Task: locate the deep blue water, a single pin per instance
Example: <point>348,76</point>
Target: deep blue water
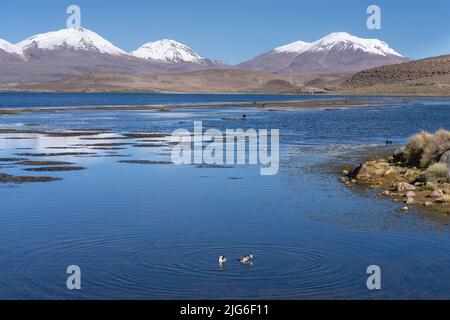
<point>155,231</point>
<point>30,100</point>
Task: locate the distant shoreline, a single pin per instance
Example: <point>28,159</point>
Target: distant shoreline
<point>269,106</point>
<point>324,94</point>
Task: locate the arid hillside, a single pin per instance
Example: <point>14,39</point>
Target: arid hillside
<point>209,81</point>
<point>428,76</point>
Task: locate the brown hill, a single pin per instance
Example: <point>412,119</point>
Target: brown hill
<point>427,76</point>
<point>208,81</point>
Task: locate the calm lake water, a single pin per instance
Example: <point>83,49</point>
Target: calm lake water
<point>155,231</point>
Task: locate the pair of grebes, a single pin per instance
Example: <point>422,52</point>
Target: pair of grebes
<point>245,260</point>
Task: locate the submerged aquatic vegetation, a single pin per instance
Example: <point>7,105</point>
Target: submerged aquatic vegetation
<point>44,163</point>
<point>54,169</point>
<point>7,178</point>
<point>145,135</point>
<point>68,133</point>
<point>60,154</point>
<point>118,144</point>
<point>145,162</point>
<point>149,145</point>
<point>107,148</point>
<point>12,159</point>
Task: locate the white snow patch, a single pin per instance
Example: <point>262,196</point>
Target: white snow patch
<point>10,48</point>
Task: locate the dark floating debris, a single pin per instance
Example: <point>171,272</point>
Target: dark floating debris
<point>145,162</point>
<point>7,178</point>
<point>54,169</point>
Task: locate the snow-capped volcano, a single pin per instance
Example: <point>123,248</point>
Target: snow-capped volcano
<point>167,51</point>
<point>336,52</point>
<point>341,41</point>
<point>71,39</point>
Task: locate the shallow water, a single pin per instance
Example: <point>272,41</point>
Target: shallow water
<point>144,231</point>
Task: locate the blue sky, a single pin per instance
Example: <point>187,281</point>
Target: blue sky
<point>237,30</point>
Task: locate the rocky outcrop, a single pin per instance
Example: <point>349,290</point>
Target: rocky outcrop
<point>358,172</point>
<point>402,184</point>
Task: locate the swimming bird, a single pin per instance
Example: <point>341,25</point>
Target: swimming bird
<point>222,260</point>
<point>247,260</point>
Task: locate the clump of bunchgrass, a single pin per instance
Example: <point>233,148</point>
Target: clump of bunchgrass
<point>435,148</point>
<point>437,172</point>
<point>425,149</point>
<point>414,149</point>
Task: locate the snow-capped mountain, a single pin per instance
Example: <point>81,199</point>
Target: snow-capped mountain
<point>336,52</point>
<point>167,51</point>
<point>70,39</point>
<point>340,41</point>
<point>10,52</point>
<point>72,52</point>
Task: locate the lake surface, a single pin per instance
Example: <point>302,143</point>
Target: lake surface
<point>154,231</point>
<point>33,100</point>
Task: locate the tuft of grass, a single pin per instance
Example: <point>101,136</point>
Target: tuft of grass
<point>436,147</point>
<point>437,172</point>
<point>425,149</point>
<point>446,198</point>
<point>414,149</point>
